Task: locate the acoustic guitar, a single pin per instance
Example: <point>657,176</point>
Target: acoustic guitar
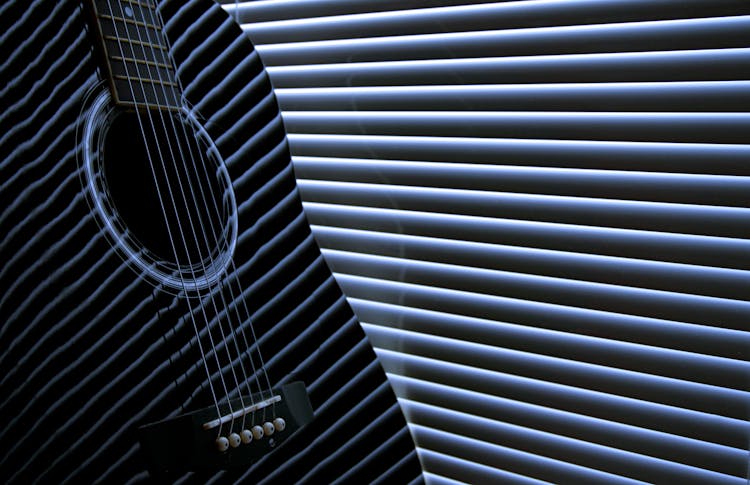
<point>165,313</point>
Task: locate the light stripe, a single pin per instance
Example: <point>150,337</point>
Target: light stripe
<point>478,17</point>
<point>635,36</point>
<point>683,65</point>
<point>725,96</point>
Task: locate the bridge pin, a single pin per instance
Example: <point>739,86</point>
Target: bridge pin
<point>234,440</point>
<point>279,424</point>
<point>268,428</point>
<point>222,444</point>
<point>246,436</point>
<point>257,432</point>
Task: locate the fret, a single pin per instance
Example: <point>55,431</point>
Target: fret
<point>135,71</point>
<point>135,42</point>
<point>146,95</point>
<point>144,80</point>
<point>137,23</point>
<point>140,4</point>
<point>151,106</point>
<point>141,61</point>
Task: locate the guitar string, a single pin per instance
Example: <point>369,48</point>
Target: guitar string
<point>220,284</point>
<point>241,292</point>
<point>180,184</point>
<point>168,61</point>
<point>205,166</point>
<point>239,284</point>
<point>163,208</point>
<point>178,143</point>
<point>244,303</point>
<point>166,55</point>
<point>252,327</point>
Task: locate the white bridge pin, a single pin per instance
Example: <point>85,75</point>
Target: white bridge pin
<point>268,428</point>
<point>257,432</point>
<point>246,436</point>
<point>222,444</point>
<point>279,424</point>
<point>234,440</point>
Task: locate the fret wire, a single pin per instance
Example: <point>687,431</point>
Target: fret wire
<point>142,61</point>
<point>141,4</point>
<point>130,21</point>
<point>153,81</point>
<point>132,41</point>
<point>139,104</point>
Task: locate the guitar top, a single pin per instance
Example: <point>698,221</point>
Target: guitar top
<point>165,313</point>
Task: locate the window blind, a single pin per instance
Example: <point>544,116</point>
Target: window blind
<point>539,211</point>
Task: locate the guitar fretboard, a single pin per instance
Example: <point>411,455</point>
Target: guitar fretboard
<point>138,66</point>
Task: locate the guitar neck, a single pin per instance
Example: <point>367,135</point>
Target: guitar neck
<point>134,54</point>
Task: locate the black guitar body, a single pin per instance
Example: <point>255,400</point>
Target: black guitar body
<point>90,350</point>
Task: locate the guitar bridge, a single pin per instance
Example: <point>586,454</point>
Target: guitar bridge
<point>239,437</point>
<point>241,412</point>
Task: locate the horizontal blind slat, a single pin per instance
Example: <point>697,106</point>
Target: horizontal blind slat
<point>662,35</point>
<point>690,65</point>
<point>726,96</point>
<point>700,189</point>
<point>517,14</point>
<point>273,10</point>
<point>729,222</point>
<point>663,127</point>
<point>707,158</point>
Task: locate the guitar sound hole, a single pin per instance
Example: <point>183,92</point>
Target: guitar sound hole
<point>160,192</point>
<point>165,188</point>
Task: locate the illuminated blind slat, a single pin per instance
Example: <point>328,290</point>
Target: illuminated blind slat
<point>461,18</point>
<point>656,216</point>
<point>274,10</point>
<point>635,36</point>
<point>724,96</point>
<point>605,184</point>
<point>675,65</point>
<point>609,155</point>
<point>665,127</point>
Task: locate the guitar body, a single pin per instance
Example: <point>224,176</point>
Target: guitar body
<point>92,347</point>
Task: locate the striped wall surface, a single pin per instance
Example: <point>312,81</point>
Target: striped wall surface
<point>539,212</point>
